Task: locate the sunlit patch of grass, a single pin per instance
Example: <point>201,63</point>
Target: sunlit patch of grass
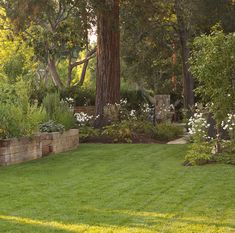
<point>117,189</point>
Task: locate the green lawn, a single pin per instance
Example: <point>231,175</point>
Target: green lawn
<point>118,189</point>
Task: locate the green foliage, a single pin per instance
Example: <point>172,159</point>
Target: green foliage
<point>199,154</point>
<point>87,131</point>
<point>58,110</point>
<point>142,127</point>
<point>18,116</point>
<point>16,58</point>
<point>213,66</point>
<point>134,98</point>
<point>84,96</point>
<point>228,155</point>
<point>168,131</point>
<point>120,132</point>
<point>51,126</point>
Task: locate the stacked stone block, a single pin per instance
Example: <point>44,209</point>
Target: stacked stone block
<point>18,150</point>
<point>59,142</point>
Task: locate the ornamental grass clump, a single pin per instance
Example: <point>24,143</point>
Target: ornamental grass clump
<point>18,117</point>
<point>58,111</point>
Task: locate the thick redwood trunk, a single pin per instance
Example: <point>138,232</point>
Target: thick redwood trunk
<point>108,58</point>
<point>188,82</point>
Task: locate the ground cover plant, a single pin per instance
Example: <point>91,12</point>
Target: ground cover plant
<point>117,188</point>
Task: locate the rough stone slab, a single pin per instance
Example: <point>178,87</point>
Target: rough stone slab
<point>178,141</point>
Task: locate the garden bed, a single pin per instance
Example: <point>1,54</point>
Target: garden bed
<point>136,138</point>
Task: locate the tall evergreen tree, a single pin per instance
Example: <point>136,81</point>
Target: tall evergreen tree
<point>108,58</point>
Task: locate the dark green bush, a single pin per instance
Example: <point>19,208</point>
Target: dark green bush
<point>87,131</point>
<point>168,131</point>
<point>134,98</point>
<point>120,132</point>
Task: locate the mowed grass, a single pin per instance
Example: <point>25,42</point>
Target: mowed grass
<point>118,189</point>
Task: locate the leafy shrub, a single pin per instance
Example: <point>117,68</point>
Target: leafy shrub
<point>87,131</point>
<point>120,132</point>
<point>58,111</point>
<point>51,126</point>
<point>144,127</point>
<point>199,154</point>
<point>18,116</point>
<point>134,98</point>
<point>167,131</point>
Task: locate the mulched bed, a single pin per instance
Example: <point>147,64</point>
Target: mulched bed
<point>136,138</point>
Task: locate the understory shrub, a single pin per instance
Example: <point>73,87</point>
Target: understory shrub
<point>120,132</point>
<point>168,131</point>
<point>88,131</point>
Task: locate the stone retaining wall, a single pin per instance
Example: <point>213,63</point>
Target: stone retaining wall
<point>18,150</point>
<point>59,142</point>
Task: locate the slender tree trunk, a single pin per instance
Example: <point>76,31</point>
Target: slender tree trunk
<point>108,58</point>
<point>188,82</point>
<point>83,74</point>
<point>54,74</point>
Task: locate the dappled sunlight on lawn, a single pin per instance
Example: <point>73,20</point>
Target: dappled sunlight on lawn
<point>143,222</point>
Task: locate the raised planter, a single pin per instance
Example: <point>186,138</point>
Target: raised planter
<point>59,142</point>
<point>18,150</point>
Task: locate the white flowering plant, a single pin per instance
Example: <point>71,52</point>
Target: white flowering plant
<point>229,125</point>
<point>198,126</point>
<point>83,119</point>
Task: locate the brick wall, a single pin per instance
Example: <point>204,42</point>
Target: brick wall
<point>13,151</point>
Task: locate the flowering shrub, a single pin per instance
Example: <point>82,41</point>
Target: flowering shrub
<point>83,119</point>
<point>198,127</point>
<point>146,112</point>
<point>229,125</point>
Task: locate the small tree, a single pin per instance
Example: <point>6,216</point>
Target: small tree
<point>213,66</point>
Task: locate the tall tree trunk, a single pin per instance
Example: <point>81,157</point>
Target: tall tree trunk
<point>54,74</point>
<point>108,58</point>
<point>83,74</point>
<point>188,82</point>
